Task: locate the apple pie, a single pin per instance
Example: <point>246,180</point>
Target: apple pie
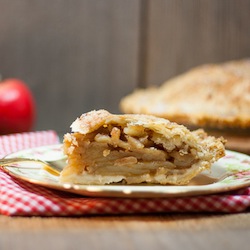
<point>212,95</point>
<point>105,148</point>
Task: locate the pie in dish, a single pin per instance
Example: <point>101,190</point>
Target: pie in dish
<point>105,148</point>
<point>213,95</point>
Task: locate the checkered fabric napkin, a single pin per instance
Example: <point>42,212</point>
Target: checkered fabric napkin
<point>21,198</point>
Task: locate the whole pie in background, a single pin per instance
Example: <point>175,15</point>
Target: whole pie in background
<point>215,97</point>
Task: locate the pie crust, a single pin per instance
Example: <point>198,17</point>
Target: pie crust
<point>213,95</point>
<point>105,148</point>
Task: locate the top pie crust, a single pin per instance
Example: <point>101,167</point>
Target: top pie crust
<point>214,95</point>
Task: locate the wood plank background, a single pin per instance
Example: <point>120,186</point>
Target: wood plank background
<point>87,54</point>
<point>184,34</point>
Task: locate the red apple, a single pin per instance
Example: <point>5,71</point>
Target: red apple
<point>17,107</point>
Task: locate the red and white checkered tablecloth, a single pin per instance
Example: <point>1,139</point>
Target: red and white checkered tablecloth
<point>20,198</point>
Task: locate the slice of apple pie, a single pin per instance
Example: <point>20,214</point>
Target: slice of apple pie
<point>104,148</point>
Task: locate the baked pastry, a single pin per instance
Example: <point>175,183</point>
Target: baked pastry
<point>104,148</point>
<point>214,95</point>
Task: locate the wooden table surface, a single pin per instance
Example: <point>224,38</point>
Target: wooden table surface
<point>164,231</point>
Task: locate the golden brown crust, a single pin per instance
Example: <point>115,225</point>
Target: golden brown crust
<point>216,95</point>
<point>105,148</point>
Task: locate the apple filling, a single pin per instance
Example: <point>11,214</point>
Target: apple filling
<point>131,153</point>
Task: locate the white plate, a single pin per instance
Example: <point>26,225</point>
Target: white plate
<point>229,173</point>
